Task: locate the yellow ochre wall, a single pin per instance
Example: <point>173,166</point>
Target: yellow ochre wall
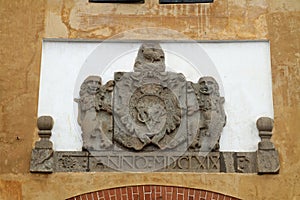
<point>23,25</point>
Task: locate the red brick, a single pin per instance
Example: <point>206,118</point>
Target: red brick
<point>135,189</point>
<point>100,193</point>
<point>141,192</point>
<point>168,189</point>
<point>180,197</point>
<point>174,194</point>
<point>106,194</point>
<point>135,197</point>
<point>147,188</point>
<point>112,192</point>
<point>186,193</point>
<point>158,197</point>
<point>152,192</point>
<point>168,196</point>
<point>147,196</point>
<point>215,196</point>
<point>180,190</point>
<point>221,197</point>
<point>95,196</point>
<point>129,193</point>
<point>89,196</point>
<point>123,190</point>
<point>208,195</point>
<point>191,198</point>
<point>163,192</point>
<point>203,195</point>
<point>153,188</point>
<point>118,193</point>
<point>157,189</point>
<point>197,194</point>
<point>191,192</point>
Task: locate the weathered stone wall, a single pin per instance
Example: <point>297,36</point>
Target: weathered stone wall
<point>23,25</point>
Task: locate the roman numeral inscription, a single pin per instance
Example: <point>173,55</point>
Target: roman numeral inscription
<point>124,161</point>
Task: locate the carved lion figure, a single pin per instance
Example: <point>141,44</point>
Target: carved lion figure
<point>212,115</point>
<point>90,103</point>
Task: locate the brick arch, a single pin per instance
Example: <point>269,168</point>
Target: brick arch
<point>152,192</point>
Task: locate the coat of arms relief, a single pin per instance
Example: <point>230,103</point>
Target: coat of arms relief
<point>152,119</point>
<point>150,109</point>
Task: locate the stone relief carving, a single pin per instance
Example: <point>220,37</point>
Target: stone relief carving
<point>150,57</point>
<point>152,120</point>
<point>149,104</point>
<point>95,113</point>
<point>212,115</point>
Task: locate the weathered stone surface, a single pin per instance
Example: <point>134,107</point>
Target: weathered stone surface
<point>42,161</point>
<point>95,113</point>
<point>277,21</point>
<point>137,162</point>
<point>238,162</point>
<point>150,104</point>
<point>150,58</point>
<point>268,162</point>
<point>245,162</point>
<point>45,125</point>
<point>150,116</point>
<point>42,154</point>
<point>267,155</point>
<point>227,162</point>
<point>71,161</point>
<point>212,115</point>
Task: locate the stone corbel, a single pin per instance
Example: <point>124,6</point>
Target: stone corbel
<point>42,154</point>
<point>267,155</point>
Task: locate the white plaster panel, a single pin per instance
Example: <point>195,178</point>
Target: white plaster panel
<point>242,70</point>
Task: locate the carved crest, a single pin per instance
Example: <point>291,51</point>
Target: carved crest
<point>149,103</point>
<point>152,109</point>
<point>124,121</point>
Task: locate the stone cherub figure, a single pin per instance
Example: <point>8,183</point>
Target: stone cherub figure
<point>212,115</point>
<point>94,101</point>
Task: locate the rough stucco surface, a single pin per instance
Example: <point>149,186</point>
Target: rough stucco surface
<point>23,24</point>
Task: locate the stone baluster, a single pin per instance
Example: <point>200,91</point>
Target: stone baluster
<point>267,155</point>
<point>42,154</point>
